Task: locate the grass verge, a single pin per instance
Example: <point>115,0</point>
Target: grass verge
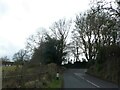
<point>56,83</point>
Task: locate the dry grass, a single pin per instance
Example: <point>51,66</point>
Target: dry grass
<point>30,77</point>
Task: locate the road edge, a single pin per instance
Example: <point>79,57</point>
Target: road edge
<point>88,73</point>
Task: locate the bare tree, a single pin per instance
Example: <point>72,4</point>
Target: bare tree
<point>21,56</point>
<point>34,41</point>
<point>94,29</point>
<point>5,58</point>
<point>60,31</point>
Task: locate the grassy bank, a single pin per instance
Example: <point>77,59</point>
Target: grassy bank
<point>107,64</point>
<point>56,83</point>
<point>32,76</point>
<point>108,71</point>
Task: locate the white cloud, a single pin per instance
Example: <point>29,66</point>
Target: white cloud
<point>22,17</point>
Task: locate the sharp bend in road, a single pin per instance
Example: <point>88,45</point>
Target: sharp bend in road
<point>76,78</point>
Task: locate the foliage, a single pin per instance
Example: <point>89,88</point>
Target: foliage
<point>95,35</point>
<point>94,29</point>
<point>55,83</point>
<point>34,41</point>
<point>60,31</point>
<point>108,52</point>
<point>37,76</point>
<point>21,57</point>
<point>4,59</point>
<point>49,51</point>
<point>11,68</point>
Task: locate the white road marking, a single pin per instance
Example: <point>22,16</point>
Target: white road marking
<point>80,75</point>
<point>92,83</point>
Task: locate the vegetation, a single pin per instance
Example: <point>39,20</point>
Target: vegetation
<point>55,84</point>
<point>95,35</point>
<point>26,77</point>
<point>5,58</point>
<point>7,69</point>
<point>96,32</point>
<point>52,48</point>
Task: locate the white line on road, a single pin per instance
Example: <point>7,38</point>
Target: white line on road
<point>78,74</point>
<point>92,83</point>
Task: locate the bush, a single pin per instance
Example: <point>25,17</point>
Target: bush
<point>52,68</point>
<point>108,52</point>
<point>33,76</point>
<point>107,64</point>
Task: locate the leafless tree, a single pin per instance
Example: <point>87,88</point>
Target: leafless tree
<point>60,30</point>
<point>34,41</point>
<point>21,56</point>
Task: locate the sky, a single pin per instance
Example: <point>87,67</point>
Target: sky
<point>21,18</point>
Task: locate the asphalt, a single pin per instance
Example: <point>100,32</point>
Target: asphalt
<point>77,78</point>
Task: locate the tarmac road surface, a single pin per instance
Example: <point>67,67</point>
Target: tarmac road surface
<point>76,78</point>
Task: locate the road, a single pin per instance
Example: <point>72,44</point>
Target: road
<point>76,78</point>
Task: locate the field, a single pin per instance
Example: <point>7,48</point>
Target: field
<point>31,76</point>
<point>9,68</point>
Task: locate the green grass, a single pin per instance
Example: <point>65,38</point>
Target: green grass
<point>0,67</point>
<point>8,68</point>
<point>56,83</point>
<point>14,71</point>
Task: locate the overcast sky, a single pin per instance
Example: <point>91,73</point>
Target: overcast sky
<point>21,18</point>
